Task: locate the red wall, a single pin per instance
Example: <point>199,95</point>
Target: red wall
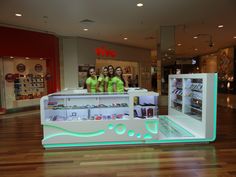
<point>23,43</point>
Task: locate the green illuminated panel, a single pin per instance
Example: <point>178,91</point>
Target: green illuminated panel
<point>120,129</point>
<point>147,136</point>
<point>131,133</point>
<point>171,129</point>
<point>110,126</point>
<point>152,126</point>
<point>70,133</point>
<point>92,144</point>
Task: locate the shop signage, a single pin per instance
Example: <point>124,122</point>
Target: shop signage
<point>38,68</point>
<point>20,67</point>
<point>105,52</point>
<point>9,77</point>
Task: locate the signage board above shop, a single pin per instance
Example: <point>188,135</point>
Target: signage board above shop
<point>105,52</point>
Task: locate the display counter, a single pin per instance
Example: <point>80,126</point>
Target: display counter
<point>81,119</point>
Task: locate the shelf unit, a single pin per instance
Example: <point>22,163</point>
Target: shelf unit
<point>197,113</point>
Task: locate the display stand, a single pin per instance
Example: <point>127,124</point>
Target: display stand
<point>81,119</point>
<point>72,119</point>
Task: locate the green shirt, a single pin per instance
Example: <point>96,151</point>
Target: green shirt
<point>101,79</point>
<point>119,84</point>
<point>92,82</point>
<point>109,84</point>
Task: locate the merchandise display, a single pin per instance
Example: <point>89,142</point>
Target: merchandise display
<point>70,118</point>
<point>192,104</point>
<point>83,119</point>
<point>176,94</point>
<point>29,86</point>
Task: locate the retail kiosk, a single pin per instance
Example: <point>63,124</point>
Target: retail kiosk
<point>81,119</point>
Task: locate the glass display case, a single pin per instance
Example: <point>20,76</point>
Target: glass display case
<point>193,98</point>
<point>81,119</point>
<point>192,103</point>
<point>81,107</point>
<point>176,92</point>
<point>145,107</point>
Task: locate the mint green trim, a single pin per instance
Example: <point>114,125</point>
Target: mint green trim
<point>147,136</point>
<point>70,133</point>
<point>177,141</point>
<point>110,126</point>
<point>131,132</point>
<point>138,135</point>
<point>215,107</point>
<point>152,126</point>
<point>92,144</point>
<point>120,129</point>
<point>183,130</point>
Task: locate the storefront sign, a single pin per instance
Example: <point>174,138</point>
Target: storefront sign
<point>38,68</point>
<point>105,52</point>
<point>10,77</point>
<point>20,68</point>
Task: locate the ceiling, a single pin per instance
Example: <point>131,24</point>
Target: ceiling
<point>116,19</point>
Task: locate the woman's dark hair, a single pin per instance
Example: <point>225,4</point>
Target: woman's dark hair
<point>110,75</point>
<point>88,72</point>
<point>121,76</point>
<point>104,68</point>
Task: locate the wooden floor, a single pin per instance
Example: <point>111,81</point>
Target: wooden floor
<point>21,154</point>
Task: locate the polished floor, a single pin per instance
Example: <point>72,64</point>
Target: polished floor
<point>21,154</point>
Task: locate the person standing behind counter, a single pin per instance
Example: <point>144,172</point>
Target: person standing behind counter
<point>102,79</point>
<point>109,84</point>
<point>91,81</point>
<point>118,81</point>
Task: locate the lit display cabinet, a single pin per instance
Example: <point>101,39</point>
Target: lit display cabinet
<point>73,119</point>
<point>192,109</point>
<point>82,119</point>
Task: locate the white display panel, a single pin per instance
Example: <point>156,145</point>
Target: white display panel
<point>192,101</point>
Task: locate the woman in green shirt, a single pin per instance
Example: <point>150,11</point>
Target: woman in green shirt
<point>91,81</point>
<point>102,79</point>
<point>118,81</point>
<point>109,84</point>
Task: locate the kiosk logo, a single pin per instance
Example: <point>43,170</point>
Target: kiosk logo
<point>105,52</point>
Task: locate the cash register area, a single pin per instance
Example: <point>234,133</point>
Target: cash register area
<point>22,153</point>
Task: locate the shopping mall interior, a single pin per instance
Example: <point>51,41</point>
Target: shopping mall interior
<point>181,53</point>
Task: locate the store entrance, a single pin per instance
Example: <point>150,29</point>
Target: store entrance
<point>130,70</point>
<point>23,81</point>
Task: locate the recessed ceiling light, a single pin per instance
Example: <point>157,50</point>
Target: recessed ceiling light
<point>18,15</point>
<point>125,38</point>
<point>11,57</point>
<point>85,29</point>
<point>27,58</point>
<point>234,37</point>
<point>220,26</point>
<point>41,58</point>
<point>196,49</point>
<point>195,37</point>
<point>140,4</point>
<point>179,44</point>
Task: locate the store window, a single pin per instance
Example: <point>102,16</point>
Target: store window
<point>23,81</point>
